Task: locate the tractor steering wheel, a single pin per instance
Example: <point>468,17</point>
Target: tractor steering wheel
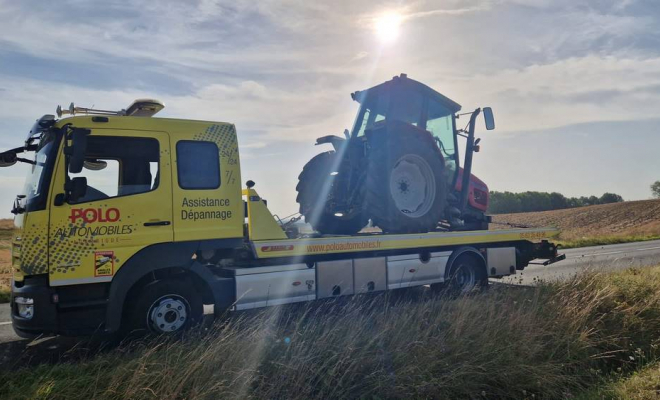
<point>442,146</point>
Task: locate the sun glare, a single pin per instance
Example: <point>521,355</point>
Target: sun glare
<point>387,26</point>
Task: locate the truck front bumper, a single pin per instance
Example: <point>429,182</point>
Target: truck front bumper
<point>42,318</point>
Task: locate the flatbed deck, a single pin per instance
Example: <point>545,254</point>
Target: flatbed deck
<point>302,247</point>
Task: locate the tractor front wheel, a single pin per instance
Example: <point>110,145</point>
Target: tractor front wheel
<point>316,194</point>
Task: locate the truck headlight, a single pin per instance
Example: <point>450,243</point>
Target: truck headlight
<point>25,307</point>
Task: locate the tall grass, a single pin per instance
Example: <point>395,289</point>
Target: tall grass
<point>550,341</point>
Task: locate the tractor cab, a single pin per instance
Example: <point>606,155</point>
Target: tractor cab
<point>412,103</point>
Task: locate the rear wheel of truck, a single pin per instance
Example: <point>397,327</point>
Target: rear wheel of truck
<point>405,186</point>
<point>164,307</point>
<point>315,196</point>
<point>466,275</point>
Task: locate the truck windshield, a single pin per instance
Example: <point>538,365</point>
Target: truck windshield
<point>39,174</point>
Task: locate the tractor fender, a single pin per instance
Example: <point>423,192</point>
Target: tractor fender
<point>336,141</point>
<point>392,127</point>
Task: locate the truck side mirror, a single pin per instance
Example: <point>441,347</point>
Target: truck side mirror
<point>488,117</point>
<point>76,151</point>
<point>76,189</point>
<point>8,158</point>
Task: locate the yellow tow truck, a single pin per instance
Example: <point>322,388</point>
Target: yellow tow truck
<point>129,222</point>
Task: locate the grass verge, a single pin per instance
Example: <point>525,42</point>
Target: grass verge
<point>602,241</point>
<point>5,282</point>
<point>552,341</point>
<point>4,294</point>
<point>641,385</point>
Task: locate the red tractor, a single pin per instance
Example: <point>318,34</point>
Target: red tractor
<point>399,166</point>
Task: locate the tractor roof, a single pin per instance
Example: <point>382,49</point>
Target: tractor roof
<point>404,81</point>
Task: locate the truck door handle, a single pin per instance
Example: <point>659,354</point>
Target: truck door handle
<point>157,223</point>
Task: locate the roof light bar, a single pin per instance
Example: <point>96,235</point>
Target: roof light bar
<point>139,108</point>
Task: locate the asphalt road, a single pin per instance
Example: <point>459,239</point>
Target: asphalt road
<point>601,258</point>
<point>598,258</point>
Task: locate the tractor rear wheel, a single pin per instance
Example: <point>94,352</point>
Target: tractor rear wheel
<point>315,196</point>
<point>405,186</point>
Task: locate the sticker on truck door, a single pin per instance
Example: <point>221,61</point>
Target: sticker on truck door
<point>104,263</point>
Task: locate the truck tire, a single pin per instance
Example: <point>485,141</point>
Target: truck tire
<point>164,307</point>
<point>405,185</point>
<point>315,189</point>
<point>467,274</point>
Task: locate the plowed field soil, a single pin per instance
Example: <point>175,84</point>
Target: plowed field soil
<point>618,220</point>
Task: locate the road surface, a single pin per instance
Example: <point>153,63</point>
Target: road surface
<point>599,258</point>
<point>602,258</point>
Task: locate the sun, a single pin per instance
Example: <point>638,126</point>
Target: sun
<point>387,26</point>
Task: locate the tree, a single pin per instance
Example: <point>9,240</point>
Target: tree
<point>655,189</point>
<point>607,198</point>
<point>507,202</point>
<point>558,201</point>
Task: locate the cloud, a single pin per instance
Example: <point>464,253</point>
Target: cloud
<point>281,70</point>
<point>361,55</point>
<point>448,12</point>
<point>571,91</point>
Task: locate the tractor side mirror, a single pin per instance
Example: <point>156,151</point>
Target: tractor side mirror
<point>488,117</point>
<point>75,189</point>
<point>76,151</point>
<point>8,158</point>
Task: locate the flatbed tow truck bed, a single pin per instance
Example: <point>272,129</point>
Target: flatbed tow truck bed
<point>322,246</point>
<point>285,270</point>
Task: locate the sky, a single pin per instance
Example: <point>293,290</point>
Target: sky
<point>574,85</point>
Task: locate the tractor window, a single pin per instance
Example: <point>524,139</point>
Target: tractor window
<point>198,165</point>
<point>441,124</point>
<point>119,166</point>
<point>407,106</point>
<point>372,110</point>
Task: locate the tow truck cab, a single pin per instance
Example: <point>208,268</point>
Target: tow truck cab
<point>142,187</point>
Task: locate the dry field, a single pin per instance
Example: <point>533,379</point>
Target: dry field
<point>5,253</point>
<point>610,222</point>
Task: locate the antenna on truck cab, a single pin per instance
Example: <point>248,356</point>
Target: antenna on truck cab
<point>139,108</point>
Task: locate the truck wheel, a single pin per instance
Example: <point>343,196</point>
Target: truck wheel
<point>164,307</point>
<point>315,196</point>
<point>467,274</point>
<point>405,184</point>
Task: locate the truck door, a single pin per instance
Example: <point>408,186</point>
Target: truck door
<point>127,206</point>
<point>207,186</point>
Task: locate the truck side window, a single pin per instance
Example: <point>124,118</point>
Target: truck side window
<point>198,165</point>
<point>119,166</point>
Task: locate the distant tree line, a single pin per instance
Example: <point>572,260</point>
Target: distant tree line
<point>507,202</point>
